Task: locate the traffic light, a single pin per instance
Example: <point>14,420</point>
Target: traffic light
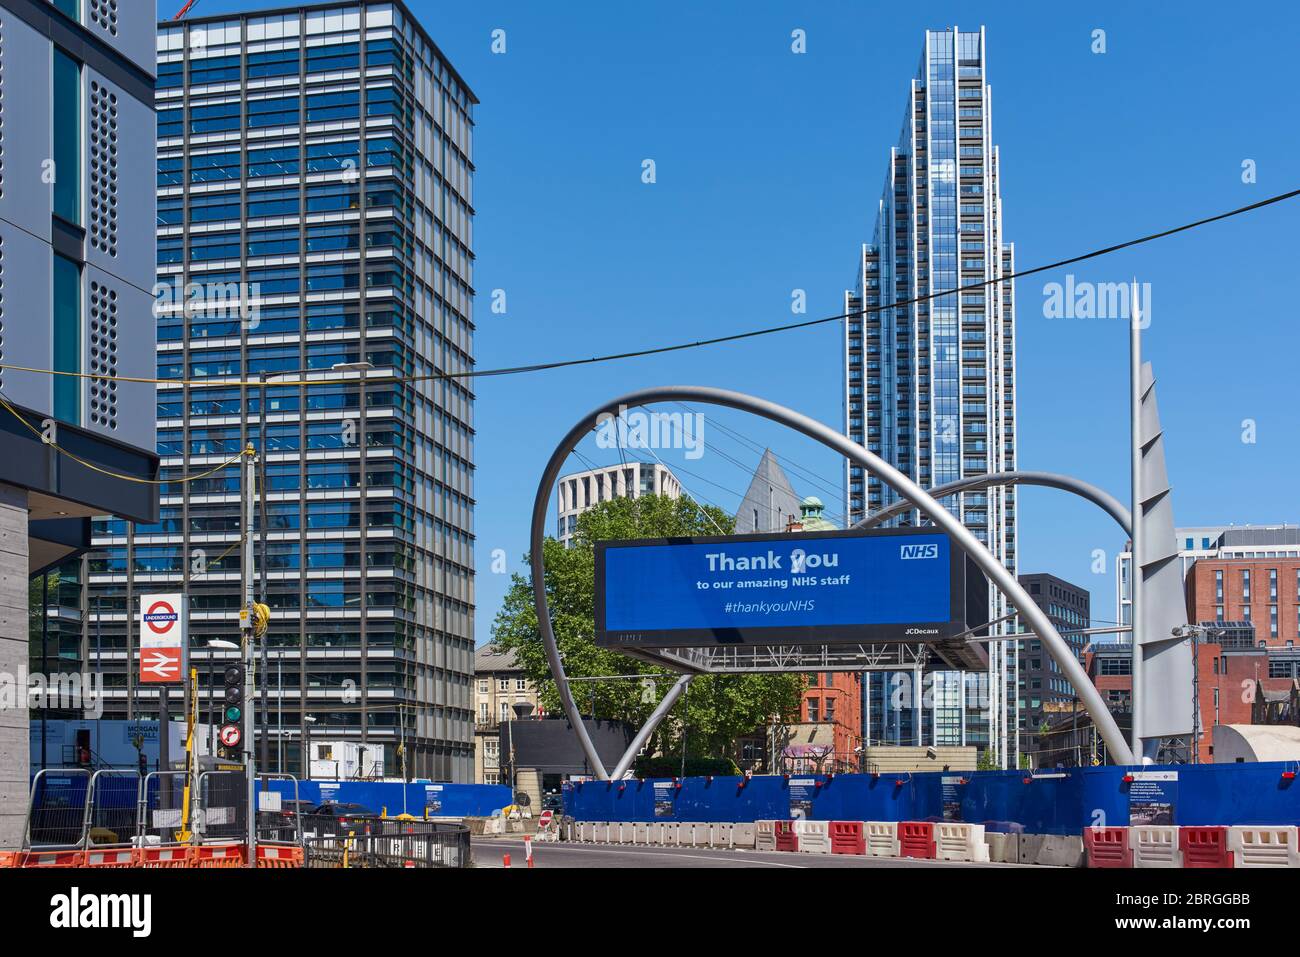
<point>231,734</point>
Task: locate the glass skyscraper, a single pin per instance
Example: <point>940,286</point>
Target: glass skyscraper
<point>930,387</point>
<point>314,226</point>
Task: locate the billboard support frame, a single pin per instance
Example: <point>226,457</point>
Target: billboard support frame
<point>1117,746</point>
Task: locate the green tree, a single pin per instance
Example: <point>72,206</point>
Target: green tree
<point>718,709</point>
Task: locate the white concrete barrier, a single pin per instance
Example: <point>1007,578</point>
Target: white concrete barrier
<point>765,835</point>
<point>960,842</point>
<point>721,834</point>
<point>621,833</point>
<point>1263,846</point>
<point>814,836</point>
<point>1155,846</point>
<point>698,835</point>
<point>671,834</point>
<point>640,832</point>
<point>742,835</point>
<point>600,832</point>
<point>882,838</point>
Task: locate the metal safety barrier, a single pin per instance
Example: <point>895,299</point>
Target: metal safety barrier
<point>449,846</point>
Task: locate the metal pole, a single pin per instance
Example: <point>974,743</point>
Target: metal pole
<point>261,501</point>
<point>961,536</point>
<point>279,709</point>
<point>1135,467</point>
<point>45,646</point>
<point>247,650</point>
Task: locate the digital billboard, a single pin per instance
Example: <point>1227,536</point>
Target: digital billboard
<point>838,587</point>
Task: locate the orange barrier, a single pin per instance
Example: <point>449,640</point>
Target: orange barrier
<point>177,855</point>
<point>219,855</point>
<point>116,857</point>
<point>50,858</point>
<point>279,856</point>
<point>166,855</point>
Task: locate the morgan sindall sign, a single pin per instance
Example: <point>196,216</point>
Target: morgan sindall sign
<point>805,587</point>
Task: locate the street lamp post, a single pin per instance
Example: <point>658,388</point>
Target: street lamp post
<point>521,710</point>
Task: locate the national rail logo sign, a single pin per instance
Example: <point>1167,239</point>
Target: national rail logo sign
<point>162,638</point>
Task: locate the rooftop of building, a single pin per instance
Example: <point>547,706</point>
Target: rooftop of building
<point>490,659</point>
<point>261,12</point>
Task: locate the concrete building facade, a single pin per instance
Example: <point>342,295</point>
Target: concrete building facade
<point>579,491</point>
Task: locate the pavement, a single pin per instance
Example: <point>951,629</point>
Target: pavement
<point>488,852</point>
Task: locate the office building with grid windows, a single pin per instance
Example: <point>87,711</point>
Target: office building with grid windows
<point>930,387</point>
<point>314,228</point>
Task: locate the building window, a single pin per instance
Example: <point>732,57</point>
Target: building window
<point>482,686</point>
<point>503,684</point>
<point>830,709</point>
<point>521,684</point>
<point>66,103</point>
<point>67,339</point>
<point>1245,584</point>
<point>814,709</point>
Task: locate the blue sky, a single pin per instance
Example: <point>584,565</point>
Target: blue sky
<point>769,166</point>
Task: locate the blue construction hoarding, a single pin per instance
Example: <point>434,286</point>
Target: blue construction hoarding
<point>1057,802</point>
<point>434,798</point>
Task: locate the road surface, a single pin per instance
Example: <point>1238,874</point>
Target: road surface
<point>489,851</point>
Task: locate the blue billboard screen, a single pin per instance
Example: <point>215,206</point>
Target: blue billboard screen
<point>840,587</point>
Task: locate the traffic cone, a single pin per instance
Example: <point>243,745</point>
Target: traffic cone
<point>505,860</point>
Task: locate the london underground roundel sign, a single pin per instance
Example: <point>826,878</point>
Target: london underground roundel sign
<point>161,617</point>
<point>162,638</point>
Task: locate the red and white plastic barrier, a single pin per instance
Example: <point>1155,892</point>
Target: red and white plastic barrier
<point>1263,846</point>
<point>813,837</point>
<point>954,841</point>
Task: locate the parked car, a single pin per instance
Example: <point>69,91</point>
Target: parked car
<point>344,812</point>
<point>282,825</point>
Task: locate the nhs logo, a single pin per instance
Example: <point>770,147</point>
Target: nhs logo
<point>918,551</point>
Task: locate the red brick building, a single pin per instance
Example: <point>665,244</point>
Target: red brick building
<point>834,699</point>
<point>1262,591</point>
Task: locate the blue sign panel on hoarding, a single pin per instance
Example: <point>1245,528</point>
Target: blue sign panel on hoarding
<point>816,587</point>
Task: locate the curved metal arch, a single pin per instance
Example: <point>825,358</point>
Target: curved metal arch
<point>1038,621</point>
<point>1108,503</point>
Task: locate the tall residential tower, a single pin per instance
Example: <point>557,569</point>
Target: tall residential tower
<point>315,233</point>
<point>930,387</point>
